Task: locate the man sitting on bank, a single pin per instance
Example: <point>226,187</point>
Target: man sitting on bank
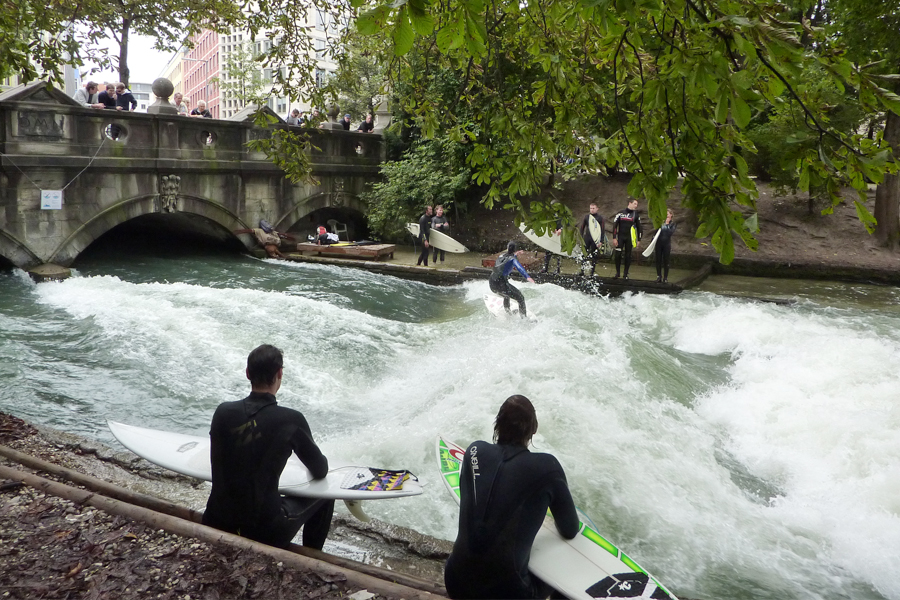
<point>252,440</point>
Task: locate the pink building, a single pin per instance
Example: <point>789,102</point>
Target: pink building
<point>200,65</point>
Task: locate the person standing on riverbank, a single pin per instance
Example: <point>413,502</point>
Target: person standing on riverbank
<point>627,232</point>
<point>664,248</point>
<point>505,492</point>
<point>252,440</point>
<point>439,223</point>
<point>424,231</point>
<point>591,249</point>
<point>499,280</point>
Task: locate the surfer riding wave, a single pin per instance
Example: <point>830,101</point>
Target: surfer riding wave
<point>499,280</point>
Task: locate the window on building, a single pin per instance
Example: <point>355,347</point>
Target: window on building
<point>320,48</point>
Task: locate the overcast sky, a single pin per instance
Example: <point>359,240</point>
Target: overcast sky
<point>145,62</point>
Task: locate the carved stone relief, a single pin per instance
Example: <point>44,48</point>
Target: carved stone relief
<point>44,123</point>
<point>168,192</point>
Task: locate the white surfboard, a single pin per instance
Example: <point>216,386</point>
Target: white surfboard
<point>595,229</point>
<point>189,455</point>
<point>652,245</point>
<point>586,567</point>
<point>494,305</point>
<point>549,241</point>
<point>439,240</point>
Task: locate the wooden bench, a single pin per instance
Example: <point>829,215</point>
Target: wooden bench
<point>365,252</point>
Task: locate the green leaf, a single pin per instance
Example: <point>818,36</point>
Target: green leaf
<point>865,217</point>
<point>740,110</point>
<point>752,223</point>
<point>403,34</point>
<point>422,22</point>
<point>367,22</point>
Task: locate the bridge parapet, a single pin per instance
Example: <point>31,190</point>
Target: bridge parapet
<point>117,165</point>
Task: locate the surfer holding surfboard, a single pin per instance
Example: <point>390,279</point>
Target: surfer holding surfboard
<point>593,233</point>
<point>627,232</point>
<point>251,441</point>
<point>663,241</point>
<point>424,230</point>
<point>505,492</point>
<point>499,280</point>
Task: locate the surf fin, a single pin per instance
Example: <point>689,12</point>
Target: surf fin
<point>355,508</point>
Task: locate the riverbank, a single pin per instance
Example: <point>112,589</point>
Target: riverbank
<point>54,547</point>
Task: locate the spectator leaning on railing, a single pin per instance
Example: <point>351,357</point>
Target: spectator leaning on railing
<point>87,96</point>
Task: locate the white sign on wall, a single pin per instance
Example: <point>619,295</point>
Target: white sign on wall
<point>51,199</point>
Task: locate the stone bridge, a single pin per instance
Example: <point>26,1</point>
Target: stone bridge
<point>187,172</point>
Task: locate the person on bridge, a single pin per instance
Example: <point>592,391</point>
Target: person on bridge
<point>345,122</point>
<point>124,98</point>
<point>87,96</point>
<point>251,441</point>
<point>505,492</point>
<point>201,111</point>
<point>499,279</point>
<point>295,118</point>
<point>367,126</point>
<point>180,104</point>
<point>424,234</point>
<point>108,98</point>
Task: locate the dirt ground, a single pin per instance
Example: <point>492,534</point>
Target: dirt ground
<point>789,234</point>
<point>52,548</point>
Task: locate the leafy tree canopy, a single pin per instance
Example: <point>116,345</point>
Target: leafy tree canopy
<point>662,88</point>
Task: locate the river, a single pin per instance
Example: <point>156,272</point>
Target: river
<point>736,449</point>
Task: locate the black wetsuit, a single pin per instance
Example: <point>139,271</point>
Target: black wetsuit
<point>437,224</point>
<point>499,281</point>
<point>622,225</point>
<point>424,234</point>
<point>252,440</point>
<point>664,250</point>
<point>590,246</point>
<point>505,492</point>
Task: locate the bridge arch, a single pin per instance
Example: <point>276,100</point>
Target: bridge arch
<point>340,201</point>
<point>16,252</point>
<point>139,206</point>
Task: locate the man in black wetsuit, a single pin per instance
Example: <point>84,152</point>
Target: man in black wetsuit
<point>424,233</point>
<point>505,492</point>
<point>252,440</point>
<point>592,251</point>
<point>627,232</point>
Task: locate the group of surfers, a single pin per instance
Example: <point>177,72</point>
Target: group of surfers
<point>505,489</point>
<point>627,233</point>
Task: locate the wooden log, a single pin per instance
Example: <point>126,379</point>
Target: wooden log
<point>187,528</point>
<point>195,516</point>
<point>102,487</point>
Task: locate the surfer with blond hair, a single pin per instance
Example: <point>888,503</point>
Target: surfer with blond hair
<point>505,491</point>
<point>499,280</point>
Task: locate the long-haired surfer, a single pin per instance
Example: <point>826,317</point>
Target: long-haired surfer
<point>627,232</point>
<point>499,280</point>
<point>664,247</point>
<point>505,492</point>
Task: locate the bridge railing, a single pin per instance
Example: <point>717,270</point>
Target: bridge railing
<point>49,127</point>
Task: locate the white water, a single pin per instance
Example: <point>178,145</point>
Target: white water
<point>734,449</point>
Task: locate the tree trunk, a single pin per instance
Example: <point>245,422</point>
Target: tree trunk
<point>887,195</point>
<point>124,73</point>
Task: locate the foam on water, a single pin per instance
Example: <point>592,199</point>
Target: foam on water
<point>736,450</point>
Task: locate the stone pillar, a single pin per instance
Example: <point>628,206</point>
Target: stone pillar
<point>49,272</point>
<point>163,89</point>
<point>382,116</point>
<point>334,112</point>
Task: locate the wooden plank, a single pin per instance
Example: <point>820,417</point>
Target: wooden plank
<point>366,252</point>
<point>529,260</point>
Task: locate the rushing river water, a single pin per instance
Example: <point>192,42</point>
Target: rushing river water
<point>736,449</point>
